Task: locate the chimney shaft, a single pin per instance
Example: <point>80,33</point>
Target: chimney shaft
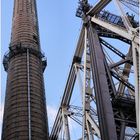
<point>25,115</point>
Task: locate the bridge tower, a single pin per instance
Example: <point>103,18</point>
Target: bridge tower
<point>108,74</point>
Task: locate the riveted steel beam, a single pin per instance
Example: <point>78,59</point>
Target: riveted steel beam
<point>104,107</point>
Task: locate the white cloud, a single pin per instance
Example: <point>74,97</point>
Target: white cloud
<point>72,125</point>
<point>1,117</point>
<point>52,111</point>
<point>1,113</point>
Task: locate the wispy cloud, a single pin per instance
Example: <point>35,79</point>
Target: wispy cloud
<point>1,116</point>
<point>72,125</point>
<point>1,113</point>
<point>52,111</point>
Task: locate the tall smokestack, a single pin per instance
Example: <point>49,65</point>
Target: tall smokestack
<point>25,116</point>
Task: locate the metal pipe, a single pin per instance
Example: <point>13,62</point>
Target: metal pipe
<point>29,101</point>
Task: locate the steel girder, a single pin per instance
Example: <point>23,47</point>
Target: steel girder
<point>131,34</point>
<point>98,7</point>
<point>118,30</point>
<point>104,107</point>
<point>132,2</point>
<point>112,48</point>
<point>127,66</point>
<point>69,87</point>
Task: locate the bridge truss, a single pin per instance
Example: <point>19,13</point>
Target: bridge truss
<point>109,98</point>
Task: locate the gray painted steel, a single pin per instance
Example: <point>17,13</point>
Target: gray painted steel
<point>104,107</point>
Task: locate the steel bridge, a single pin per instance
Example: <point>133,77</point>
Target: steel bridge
<point>109,97</point>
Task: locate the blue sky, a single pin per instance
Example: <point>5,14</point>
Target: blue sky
<point>59,31</point>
